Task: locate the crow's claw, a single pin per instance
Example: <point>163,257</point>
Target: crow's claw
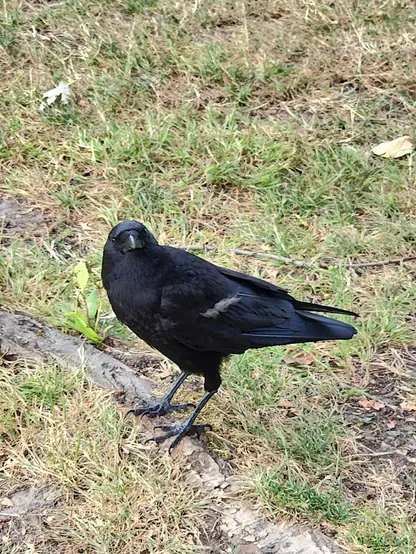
<point>160,409</point>
<point>163,427</point>
<point>178,431</point>
<point>182,407</point>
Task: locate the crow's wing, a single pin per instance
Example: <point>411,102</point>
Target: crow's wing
<point>229,324</point>
<point>252,285</point>
<point>249,280</point>
<point>212,308</point>
<point>264,288</point>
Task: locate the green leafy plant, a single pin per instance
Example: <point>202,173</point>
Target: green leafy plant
<point>85,319</point>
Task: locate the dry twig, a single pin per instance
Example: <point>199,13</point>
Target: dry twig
<point>299,263</point>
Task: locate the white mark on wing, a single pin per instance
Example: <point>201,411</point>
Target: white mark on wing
<point>220,307</point>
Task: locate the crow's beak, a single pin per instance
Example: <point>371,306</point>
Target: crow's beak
<point>132,243</point>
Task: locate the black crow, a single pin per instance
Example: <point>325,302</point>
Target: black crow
<point>197,313</point>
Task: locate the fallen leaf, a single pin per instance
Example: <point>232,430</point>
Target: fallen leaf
<point>409,405</point>
<point>391,424</point>
<point>7,502</point>
<point>371,404</point>
<point>411,419</point>
<point>394,148</point>
<point>285,404</point>
<point>305,359</point>
<point>302,359</point>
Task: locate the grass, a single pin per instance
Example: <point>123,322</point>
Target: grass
<point>58,431</point>
<point>238,124</point>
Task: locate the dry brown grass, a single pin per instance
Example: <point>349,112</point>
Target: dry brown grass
<point>110,494</point>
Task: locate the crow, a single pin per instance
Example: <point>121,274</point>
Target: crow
<point>197,313</point>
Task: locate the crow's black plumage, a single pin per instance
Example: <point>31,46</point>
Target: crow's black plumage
<point>197,313</point>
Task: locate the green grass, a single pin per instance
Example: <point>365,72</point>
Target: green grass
<point>365,527</point>
<point>237,124</point>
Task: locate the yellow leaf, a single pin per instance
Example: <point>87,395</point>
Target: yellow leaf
<point>394,148</point>
<point>7,502</point>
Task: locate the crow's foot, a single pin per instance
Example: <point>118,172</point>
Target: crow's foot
<point>160,409</point>
<point>180,430</point>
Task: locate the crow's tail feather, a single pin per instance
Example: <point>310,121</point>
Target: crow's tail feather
<point>310,306</point>
<point>306,327</point>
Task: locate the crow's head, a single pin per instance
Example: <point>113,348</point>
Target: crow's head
<point>130,235</point>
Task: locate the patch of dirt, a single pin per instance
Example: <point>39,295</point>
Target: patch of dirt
<point>210,96</point>
<point>24,513</point>
<point>16,219</point>
<point>215,542</point>
<point>20,220</point>
<point>272,105</point>
<point>385,423</point>
<point>28,500</point>
<point>179,90</point>
<point>248,549</point>
<point>171,93</point>
<point>252,14</point>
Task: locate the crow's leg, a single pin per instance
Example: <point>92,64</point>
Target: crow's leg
<point>186,427</point>
<point>164,406</point>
